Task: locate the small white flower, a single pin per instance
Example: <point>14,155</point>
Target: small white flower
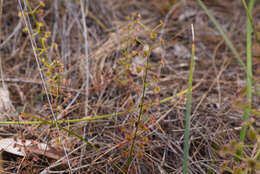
<point>146,47</point>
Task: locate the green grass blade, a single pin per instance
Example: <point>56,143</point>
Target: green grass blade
<point>250,19</point>
<point>249,65</point>
<point>188,111</point>
<point>227,40</point>
<point>229,43</point>
<point>99,117</point>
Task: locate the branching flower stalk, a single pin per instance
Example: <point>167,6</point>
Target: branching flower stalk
<point>147,51</point>
<point>52,86</point>
<point>31,34</point>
